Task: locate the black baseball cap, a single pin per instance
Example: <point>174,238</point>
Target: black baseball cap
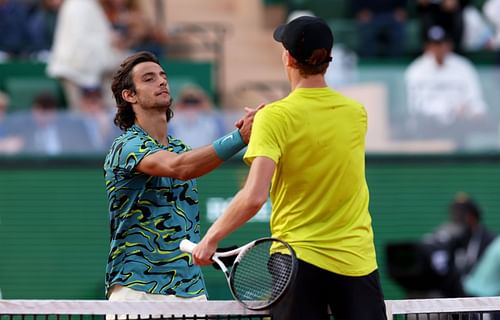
<point>303,35</point>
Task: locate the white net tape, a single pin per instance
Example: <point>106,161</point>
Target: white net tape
<point>442,305</point>
<point>103,307</point>
<point>146,308</point>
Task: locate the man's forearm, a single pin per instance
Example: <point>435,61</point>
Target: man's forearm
<point>200,161</point>
<point>191,164</point>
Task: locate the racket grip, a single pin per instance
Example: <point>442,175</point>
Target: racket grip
<point>187,246</point>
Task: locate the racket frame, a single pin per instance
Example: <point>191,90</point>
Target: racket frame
<point>241,254</point>
<point>238,252</point>
<point>188,246</point>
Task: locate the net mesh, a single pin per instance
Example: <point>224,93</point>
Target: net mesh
<point>98,309</point>
<point>414,309</point>
<point>451,316</point>
<point>444,309</point>
<point>102,317</point>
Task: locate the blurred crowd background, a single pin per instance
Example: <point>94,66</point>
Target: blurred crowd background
<point>426,70</point>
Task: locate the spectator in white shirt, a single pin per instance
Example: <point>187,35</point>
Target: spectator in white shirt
<point>83,52</point>
<point>442,84</point>
<point>491,9</point>
<point>443,88</point>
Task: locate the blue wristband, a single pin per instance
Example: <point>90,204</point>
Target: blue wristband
<point>229,145</point>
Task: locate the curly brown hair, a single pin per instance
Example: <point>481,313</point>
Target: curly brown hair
<point>122,80</point>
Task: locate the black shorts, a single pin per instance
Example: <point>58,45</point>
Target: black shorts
<point>316,289</point>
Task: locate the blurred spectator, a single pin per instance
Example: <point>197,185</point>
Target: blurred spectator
<point>29,3</point>
<point>443,89</point>
<point>382,26</point>
<point>446,13</point>
<point>132,30</point>
<point>343,70</point>
<point>196,122</point>
<point>42,25</point>
<point>478,32</point>
<point>98,120</point>
<point>48,132</point>
<point>15,37</point>
<point>458,244</point>
<point>484,280</point>
<point>299,13</point>
<point>438,264</point>
<point>9,143</point>
<point>491,9</point>
<point>82,53</point>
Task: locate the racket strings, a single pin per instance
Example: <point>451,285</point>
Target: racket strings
<point>280,266</point>
<point>260,277</point>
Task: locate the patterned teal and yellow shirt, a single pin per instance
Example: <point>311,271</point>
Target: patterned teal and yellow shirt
<point>149,216</point>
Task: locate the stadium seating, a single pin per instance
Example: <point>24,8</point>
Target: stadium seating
<point>23,90</point>
<point>22,81</point>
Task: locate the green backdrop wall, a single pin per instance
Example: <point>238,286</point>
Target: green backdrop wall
<point>54,231</point>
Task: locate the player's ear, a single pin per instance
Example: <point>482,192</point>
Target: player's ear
<point>285,57</point>
<point>129,96</point>
<point>289,60</point>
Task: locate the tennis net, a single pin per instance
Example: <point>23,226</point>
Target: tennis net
<point>102,309</point>
<point>412,309</point>
<point>487,308</point>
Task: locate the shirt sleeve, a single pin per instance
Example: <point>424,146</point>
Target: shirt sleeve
<point>132,151</point>
<point>267,138</point>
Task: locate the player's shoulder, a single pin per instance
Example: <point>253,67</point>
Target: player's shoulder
<point>129,136</point>
<point>285,104</point>
<point>345,99</point>
<point>273,108</point>
<point>132,140</point>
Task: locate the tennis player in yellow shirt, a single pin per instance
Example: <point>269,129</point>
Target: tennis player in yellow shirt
<point>308,149</point>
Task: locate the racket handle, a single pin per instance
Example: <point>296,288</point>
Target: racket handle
<point>187,246</point>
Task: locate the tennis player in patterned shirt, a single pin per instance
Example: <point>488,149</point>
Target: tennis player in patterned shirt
<point>151,188</point>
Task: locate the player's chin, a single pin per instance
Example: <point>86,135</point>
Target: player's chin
<point>164,103</point>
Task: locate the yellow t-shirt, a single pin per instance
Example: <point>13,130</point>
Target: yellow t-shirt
<point>319,194</point>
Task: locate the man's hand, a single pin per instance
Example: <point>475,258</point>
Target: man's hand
<point>203,252</point>
<point>245,123</point>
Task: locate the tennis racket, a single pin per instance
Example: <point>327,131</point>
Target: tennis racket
<point>261,273</point>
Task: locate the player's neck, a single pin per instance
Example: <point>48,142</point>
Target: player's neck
<point>313,81</point>
<point>154,122</point>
